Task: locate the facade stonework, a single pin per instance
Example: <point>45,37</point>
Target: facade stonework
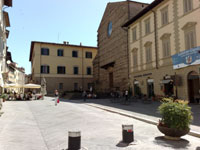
<point>165,39</point>
<point>64,66</point>
<point>111,63</point>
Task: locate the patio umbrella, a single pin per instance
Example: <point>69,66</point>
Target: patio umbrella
<point>32,86</point>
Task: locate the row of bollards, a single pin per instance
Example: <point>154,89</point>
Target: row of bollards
<point>74,137</point>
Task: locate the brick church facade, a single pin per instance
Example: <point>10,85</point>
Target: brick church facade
<point>111,65</point>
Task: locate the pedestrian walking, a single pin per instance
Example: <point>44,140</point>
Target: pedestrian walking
<point>84,95</point>
<point>126,96</point>
<point>56,97</point>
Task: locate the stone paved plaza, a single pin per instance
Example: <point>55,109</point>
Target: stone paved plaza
<point>40,125</point>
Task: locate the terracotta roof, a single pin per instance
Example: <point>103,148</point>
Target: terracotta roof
<point>143,12</point>
<point>70,45</point>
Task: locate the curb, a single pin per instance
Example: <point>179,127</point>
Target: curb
<point>191,133</point>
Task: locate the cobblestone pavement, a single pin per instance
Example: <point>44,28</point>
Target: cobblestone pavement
<point>40,125</point>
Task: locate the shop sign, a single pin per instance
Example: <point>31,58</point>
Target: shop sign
<point>186,58</point>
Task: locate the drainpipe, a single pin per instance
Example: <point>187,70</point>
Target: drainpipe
<point>156,40</point>
<point>128,40</point>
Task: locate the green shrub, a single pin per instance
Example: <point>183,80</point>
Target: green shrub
<point>176,114</point>
<point>4,96</point>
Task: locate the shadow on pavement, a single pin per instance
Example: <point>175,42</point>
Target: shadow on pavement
<point>198,148</point>
<point>122,144</point>
<point>150,109</point>
<point>170,143</point>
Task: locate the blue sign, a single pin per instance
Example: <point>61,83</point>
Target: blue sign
<point>186,58</point>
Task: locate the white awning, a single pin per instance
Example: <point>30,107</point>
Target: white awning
<point>136,82</point>
<point>150,80</point>
<point>165,81</point>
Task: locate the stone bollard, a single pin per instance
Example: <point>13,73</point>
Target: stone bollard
<point>74,140</point>
<point>127,133</point>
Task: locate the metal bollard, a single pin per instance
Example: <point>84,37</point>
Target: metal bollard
<point>127,133</point>
<point>74,140</point>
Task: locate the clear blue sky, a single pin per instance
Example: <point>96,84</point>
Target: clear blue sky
<point>74,21</point>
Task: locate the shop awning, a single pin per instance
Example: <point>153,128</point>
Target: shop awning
<point>165,81</point>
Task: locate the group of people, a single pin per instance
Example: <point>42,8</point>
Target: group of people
<point>22,96</point>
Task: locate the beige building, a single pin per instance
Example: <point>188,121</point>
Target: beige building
<point>111,71</point>
<point>164,30</point>
<point>64,66</point>
<point>4,33</point>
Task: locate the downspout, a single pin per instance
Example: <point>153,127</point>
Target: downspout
<point>128,40</point>
<point>82,71</point>
<point>156,40</point>
<point>40,62</point>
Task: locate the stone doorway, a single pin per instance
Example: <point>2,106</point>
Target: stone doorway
<point>193,87</point>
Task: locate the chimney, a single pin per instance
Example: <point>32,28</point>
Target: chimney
<point>64,42</point>
<point>67,43</point>
<point>80,44</point>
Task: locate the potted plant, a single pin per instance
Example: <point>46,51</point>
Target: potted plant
<point>176,118</point>
<point>4,97</point>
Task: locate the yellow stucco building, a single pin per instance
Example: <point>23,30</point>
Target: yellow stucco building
<point>164,49</point>
<point>64,66</point>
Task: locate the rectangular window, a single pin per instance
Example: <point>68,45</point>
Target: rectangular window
<point>60,86</point>
<point>44,69</point>
<point>60,70</point>
<point>44,51</point>
<point>75,86</point>
<point>89,71</point>
<point>60,52</point>
<point>147,26</point>
<point>188,5</point>
<point>190,38</point>
<point>134,34</point>
<point>88,55</point>
<point>75,70</point>
<point>164,16</point>
<point>135,59</point>
<point>166,47</point>
<point>148,54</point>
<point>74,53</point>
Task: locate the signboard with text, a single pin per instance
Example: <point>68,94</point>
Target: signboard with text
<point>186,58</point>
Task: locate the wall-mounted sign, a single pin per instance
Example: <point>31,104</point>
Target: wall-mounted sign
<point>186,58</point>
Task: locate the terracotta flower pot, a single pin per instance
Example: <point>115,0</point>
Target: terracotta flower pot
<point>172,134</point>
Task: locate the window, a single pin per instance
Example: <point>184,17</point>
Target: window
<point>60,86</point>
<point>147,26</point>
<point>60,70</point>
<point>188,5</point>
<point>166,47</point>
<point>75,70</point>
<point>164,16</point>
<point>134,34</point>
<point>135,58</point>
<point>44,69</point>
<point>148,54</point>
<point>74,53</point>
<point>89,71</point>
<point>190,38</point>
<point>44,51</point>
<point>88,54</point>
<point>60,52</point>
<point>75,86</point>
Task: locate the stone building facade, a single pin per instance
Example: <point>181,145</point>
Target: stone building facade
<point>164,47</point>
<point>111,71</point>
<point>65,67</point>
